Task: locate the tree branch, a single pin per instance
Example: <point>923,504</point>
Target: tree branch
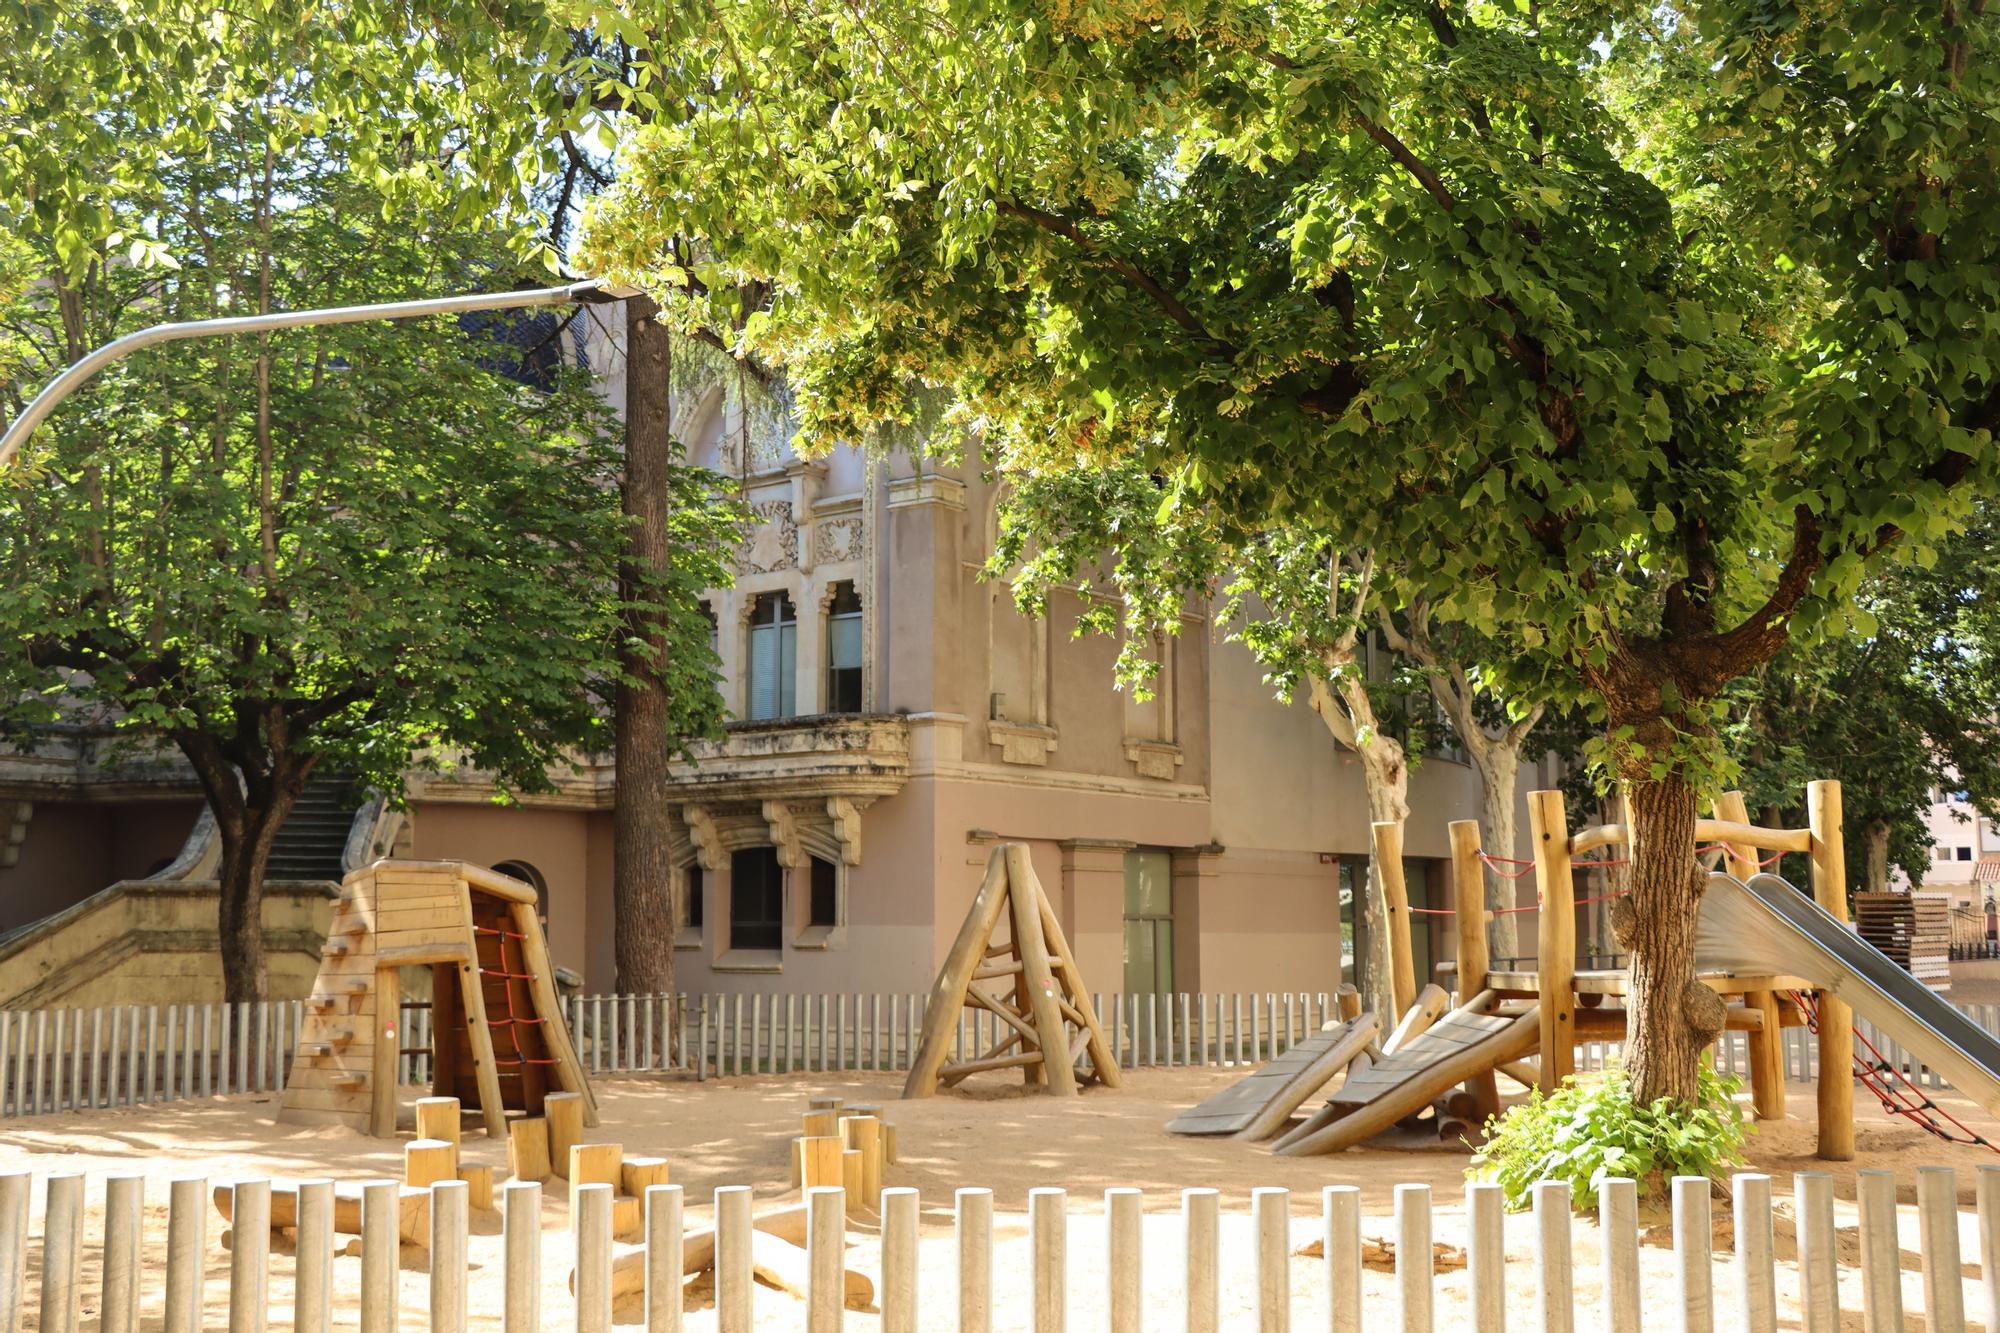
<point>1138,277</point>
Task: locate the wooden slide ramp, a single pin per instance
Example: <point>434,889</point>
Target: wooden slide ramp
<point>1255,1107</point>
<point>1465,1042</point>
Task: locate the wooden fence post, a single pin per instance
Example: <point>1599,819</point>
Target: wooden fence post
<point>1271,1222</point>
<point>1988,1191</point>
<point>826,1248</point>
<point>974,1224</point>
<point>250,1256</point>
<point>521,1306</point>
<point>1819,1300</point>
<point>1618,1222</point>
<point>1340,1221</point>
<point>664,1206</point>
<point>1693,1243</point>
<point>124,1218</point>
<point>1556,951</point>
<point>1881,1261</point>
<point>1486,1255</point>
<point>1122,1220</point>
<point>593,1254</point>
<point>15,1186</point>
<point>312,1303</point>
<point>1414,1263</point>
<point>381,1248</point>
<point>1388,855</point>
<point>733,1284</point>
<point>187,1247</point>
<point>1756,1255</point>
<point>1937,1222</point>
<point>1048,1225</point>
<point>1201,1224</point>
<point>62,1253</point>
<point>1836,1019</point>
<point>900,1224</point>
<point>1555,1291</point>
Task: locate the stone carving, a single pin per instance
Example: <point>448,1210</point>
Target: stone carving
<point>1154,759</point>
<point>784,833</point>
<point>773,543</point>
<point>836,539</point>
<point>704,835</point>
<point>845,816</point>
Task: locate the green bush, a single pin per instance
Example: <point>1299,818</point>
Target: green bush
<point>1593,1131</point>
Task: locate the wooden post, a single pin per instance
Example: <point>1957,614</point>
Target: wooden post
<point>1693,1241</point>
<point>1819,1299</point>
<point>1937,1223</point>
<point>663,1258</point>
<point>967,951</point>
<point>478,1184</point>
<point>1556,952</point>
<point>1340,1222</point>
<point>826,1256</point>
<point>428,1161</point>
<point>1414,1269</point>
<point>1766,1045</point>
<point>1468,888</point>
<point>899,1260</point>
<point>1836,1019</point>
<point>187,1246</point>
<point>1126,1293</point>
<point>1486,1255</point>
<point>312,1288</point>
<point>733,1283</point>
<point>1271,1223</point>
<point>1554,1284</point>
<point>124,1213</point>
<point>564,1111</point>
<point>250,1256</point>
<point>821,1161</point>
<point>866,1134</point>
<point>15,1187</point>
<point>1618,1224</point>
<point>1048,1273</point>
<point>521,1310</point>
<point>438,1118</point>
<point>1987,1191</point>
<point>528,1149</point>
<point>1025,898</point>
<point>1881,1258</point>
<point>381,1251</point>
<point>62,1253</point>
<point>593,1255</point>
<point>1756,1255</point>
<point>1388,851</point>
<point>974,1226</point>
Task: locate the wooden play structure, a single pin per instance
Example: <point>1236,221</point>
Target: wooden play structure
<point>1499,1018</point>
<point>499,1041</point>
<point>848,1146</point>
<point>1052,1034</point>
<point>1913,929</point>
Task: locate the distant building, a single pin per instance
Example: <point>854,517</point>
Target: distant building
<point>1965,855</point>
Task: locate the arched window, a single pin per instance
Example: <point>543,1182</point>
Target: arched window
<point>530,876</point>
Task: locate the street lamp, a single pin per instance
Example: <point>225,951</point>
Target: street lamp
<point>591,291</point>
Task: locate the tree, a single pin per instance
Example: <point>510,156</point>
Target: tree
<point>1908,711</point>
<point>1631,335</point>
<point>346,550</point>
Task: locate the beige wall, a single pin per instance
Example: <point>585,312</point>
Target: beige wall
<point>73,849</point>
<point>557,843</point>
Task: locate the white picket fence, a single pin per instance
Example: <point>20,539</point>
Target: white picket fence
<point>127,1055</point>
<point>139,1289</point>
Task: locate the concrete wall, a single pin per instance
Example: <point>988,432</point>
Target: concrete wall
<point>72,849</point>
<point>558,844</point>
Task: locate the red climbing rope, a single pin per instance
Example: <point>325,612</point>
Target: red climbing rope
<point>1770,860</point>
<point>514,1020</point>
<point>1909,1101</point>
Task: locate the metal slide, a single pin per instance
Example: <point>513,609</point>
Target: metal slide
<point>1769,927</point>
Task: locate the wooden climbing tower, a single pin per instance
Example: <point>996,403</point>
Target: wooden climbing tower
<point>1050,1032</point>
<point>499,1043</point>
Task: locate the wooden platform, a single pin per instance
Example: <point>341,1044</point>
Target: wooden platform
<point>1619,983</point>
<point>1239,1105</point>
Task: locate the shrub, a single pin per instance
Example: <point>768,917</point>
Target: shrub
<point>1590,1132</point>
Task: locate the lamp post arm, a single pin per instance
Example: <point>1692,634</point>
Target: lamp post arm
<point>589,292</point>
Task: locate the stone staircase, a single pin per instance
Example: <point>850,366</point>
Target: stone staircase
<point>314,836</point>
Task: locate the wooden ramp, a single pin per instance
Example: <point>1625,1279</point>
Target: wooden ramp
<point>1464,1043</point>
<point>1051,1030</point>
<point>500,1043</point>
<point>1272,1093</point>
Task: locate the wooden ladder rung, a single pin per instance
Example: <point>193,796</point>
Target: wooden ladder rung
<point>340,1037</point>
<point>316,1050</point>
<point>348,1080</point>
<point>321,1003</point>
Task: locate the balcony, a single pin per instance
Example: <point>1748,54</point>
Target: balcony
<point>855,755</point>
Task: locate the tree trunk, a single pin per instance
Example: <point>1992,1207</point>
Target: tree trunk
<point>1674,1017</point>
<point>239,926</point>
<point>1877,880</point>
<point>1499,768</point>
<point>1387,777</point>
<point>642,853</point>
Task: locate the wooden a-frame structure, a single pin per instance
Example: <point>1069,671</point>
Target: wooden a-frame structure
<point>499,1042</point>
<point>1050,1032</point>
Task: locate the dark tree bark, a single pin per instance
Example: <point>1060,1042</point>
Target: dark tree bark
<point>250,804</point>
<point>642,856</point>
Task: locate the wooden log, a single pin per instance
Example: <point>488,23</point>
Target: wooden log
<point>973,1228</point>
<point>850,1172</point>
<point>821,1161</point>
<point>556,1037</point>
<point>1835,1088</point>
<point>15,1189</point>
<point>1755,1268</point>
<point>819,1124</point>
<point>826,1253</point>
<point>62,1252</point>
<point>835,1103</point>
<point>1387,843</point>
<point>1618,1225</point>
<point>528,1149</point>
<point>1767,1054</point>
<point>948,992</point>
<point>1555,1285</point>
<point>439,1118</point>
<point>1819,1299</point>
<point>1937,1230</point>
<point>478,1185</point>
<point>448,1257</point>
<point>1037,979</point>
<point>563,1112</point>
<point>1468,873</point>
<point>312,1285</point>
<point>1693,1258</point>
<point>786,1226</point>
<point>1103,1067</point>
<point>591,1278</point>
<point>636,1175</point>
<point>1486,1255</point>
<point>187,1250</point>
<point>1271,1223</point>
<point>1414,1263</point>
<point>521,1305</point>
<point>889,1154</point>
<point>1417,1018</point>
<point>1556,950</point>
<point>427,1161</point>
<point>249,1259</point>
<point>1048,1272</point>
<point>663,1272</point>
<point>1125,1291</point>
<point>381,1253</point>
<point>412,1209</point>
<point>592,1164</point>
<point>1277,1109</point>
<point>1349,1000</point>
<point>1986,1191</point>
<point>1340,1250</point>
<point>124,1214</point>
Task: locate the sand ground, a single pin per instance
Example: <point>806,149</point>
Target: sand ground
<point>734,1131</point>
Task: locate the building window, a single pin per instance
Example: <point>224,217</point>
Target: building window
<point>531,877</point>
<point>774,652</point>
<point>1965,853</point>
<point>843,650</point>
<point>1941,853</point>
<point>824,910</point>
<point>1149,921</point>
<point>688,903</point>
<point>756,900</point>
